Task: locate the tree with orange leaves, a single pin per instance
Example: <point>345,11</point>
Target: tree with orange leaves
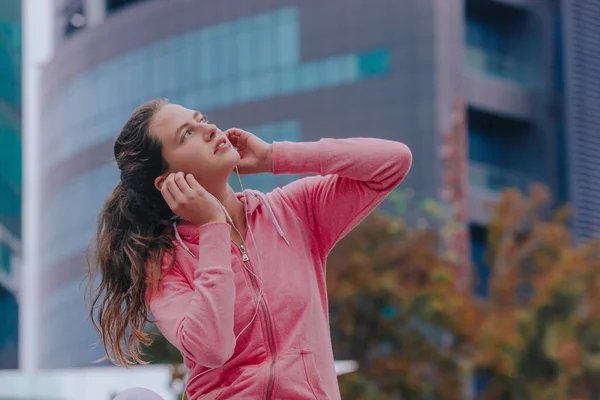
<point>395,308</point>
<point>540,337</point>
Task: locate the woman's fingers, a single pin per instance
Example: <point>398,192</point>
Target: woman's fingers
<point>233,132</point>
<point>182,184</point>
<point>166,194</point>
<point>179,189</point>
<point>237,137</point>
<point>190,201</point>
<point>174,190</point>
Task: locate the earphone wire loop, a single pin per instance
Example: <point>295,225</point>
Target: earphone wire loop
<point>259,278</point>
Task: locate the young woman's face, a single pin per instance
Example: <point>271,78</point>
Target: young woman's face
<point>191,144</point>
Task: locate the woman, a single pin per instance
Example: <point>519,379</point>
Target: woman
<point>235,281</point>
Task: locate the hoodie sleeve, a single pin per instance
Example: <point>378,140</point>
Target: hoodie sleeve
<point>197,317</point>
<point>355,177</point>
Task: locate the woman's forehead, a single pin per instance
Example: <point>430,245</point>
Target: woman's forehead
<point>170,119</point>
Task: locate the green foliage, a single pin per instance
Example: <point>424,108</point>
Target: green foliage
<point>394,308</point>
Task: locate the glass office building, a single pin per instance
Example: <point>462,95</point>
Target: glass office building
<point>282,69</point>
<point>10,177</point>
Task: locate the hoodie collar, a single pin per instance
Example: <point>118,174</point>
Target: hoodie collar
<point>249,199</point>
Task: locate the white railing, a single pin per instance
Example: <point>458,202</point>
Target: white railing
<point>485,62</point>
<point>494,178</point>
<point>99,383</point>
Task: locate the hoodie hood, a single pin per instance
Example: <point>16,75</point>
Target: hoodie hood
<point>251,199</point>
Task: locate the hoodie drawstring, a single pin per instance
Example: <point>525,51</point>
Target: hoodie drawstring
<point>263,198</point>
<point>178,236</point>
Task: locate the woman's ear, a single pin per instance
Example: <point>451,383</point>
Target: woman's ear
<point>158,182</point>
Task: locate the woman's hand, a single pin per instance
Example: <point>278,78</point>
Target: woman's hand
<point>255,154</point>
<point>190,201</point>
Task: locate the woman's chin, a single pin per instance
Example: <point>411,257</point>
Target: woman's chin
<point>234,158</point>
<point>231,160</point>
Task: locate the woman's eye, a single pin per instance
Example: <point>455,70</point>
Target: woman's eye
<point>186,134</point>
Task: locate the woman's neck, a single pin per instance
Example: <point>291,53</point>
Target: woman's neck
<point>233,205</point>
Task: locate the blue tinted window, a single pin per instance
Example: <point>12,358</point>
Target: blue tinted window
<point>263,39</point>
<point>185,64</point>
<point>244,46</point>
<point>225,49</point>
<point>331,71</point>
<point>162,72</point>
<point>478,255</point>
<point>10,118</point>
<point>348,69</point>
<point>287,45</point>
<point>9,331</point>
<point>176,61</point>
<point>486,147</point>
<point>492,50</point>
<point>135,82</point>
<point>310,76</point>
<point>263,85</point>
<point>5,257</point>
<point>208,56</point>
<point>475,34</point>
<point>227,92</point>
<point>244,88</point>
<point>289,80</point>
<point>374,63</point>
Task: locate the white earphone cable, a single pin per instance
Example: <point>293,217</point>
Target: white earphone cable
<point>258,278</point>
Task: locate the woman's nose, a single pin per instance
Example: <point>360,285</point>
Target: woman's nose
<point>210,131</point>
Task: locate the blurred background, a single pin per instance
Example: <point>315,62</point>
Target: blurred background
<point>478,279</point>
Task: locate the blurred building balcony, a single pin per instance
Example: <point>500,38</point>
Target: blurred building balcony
<point>498,59</point>
<point>497,95</point>
<point>496,64</point>
<point>494,178</point>
<point>485,184</point>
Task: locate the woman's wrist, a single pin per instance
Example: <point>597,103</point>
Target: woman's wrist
<point>215,220</point>
<point>267,160</point>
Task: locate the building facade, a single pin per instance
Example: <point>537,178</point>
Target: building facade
<point>10,178</point>
<point>287,70</point>
<point>581,29</point>
<point>512,68</point>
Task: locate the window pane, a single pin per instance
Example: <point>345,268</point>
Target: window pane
<point>373,63</point>
<point>289,80</point>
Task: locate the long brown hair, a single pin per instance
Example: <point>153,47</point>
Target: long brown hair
<point>130,241</point>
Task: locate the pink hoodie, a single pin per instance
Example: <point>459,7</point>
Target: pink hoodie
<point>211,295</point>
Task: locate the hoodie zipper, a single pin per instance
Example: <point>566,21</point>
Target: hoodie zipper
<point>246,261</point>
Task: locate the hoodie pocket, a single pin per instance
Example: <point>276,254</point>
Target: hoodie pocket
<point>298,377</point>
<point>312,375</point>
